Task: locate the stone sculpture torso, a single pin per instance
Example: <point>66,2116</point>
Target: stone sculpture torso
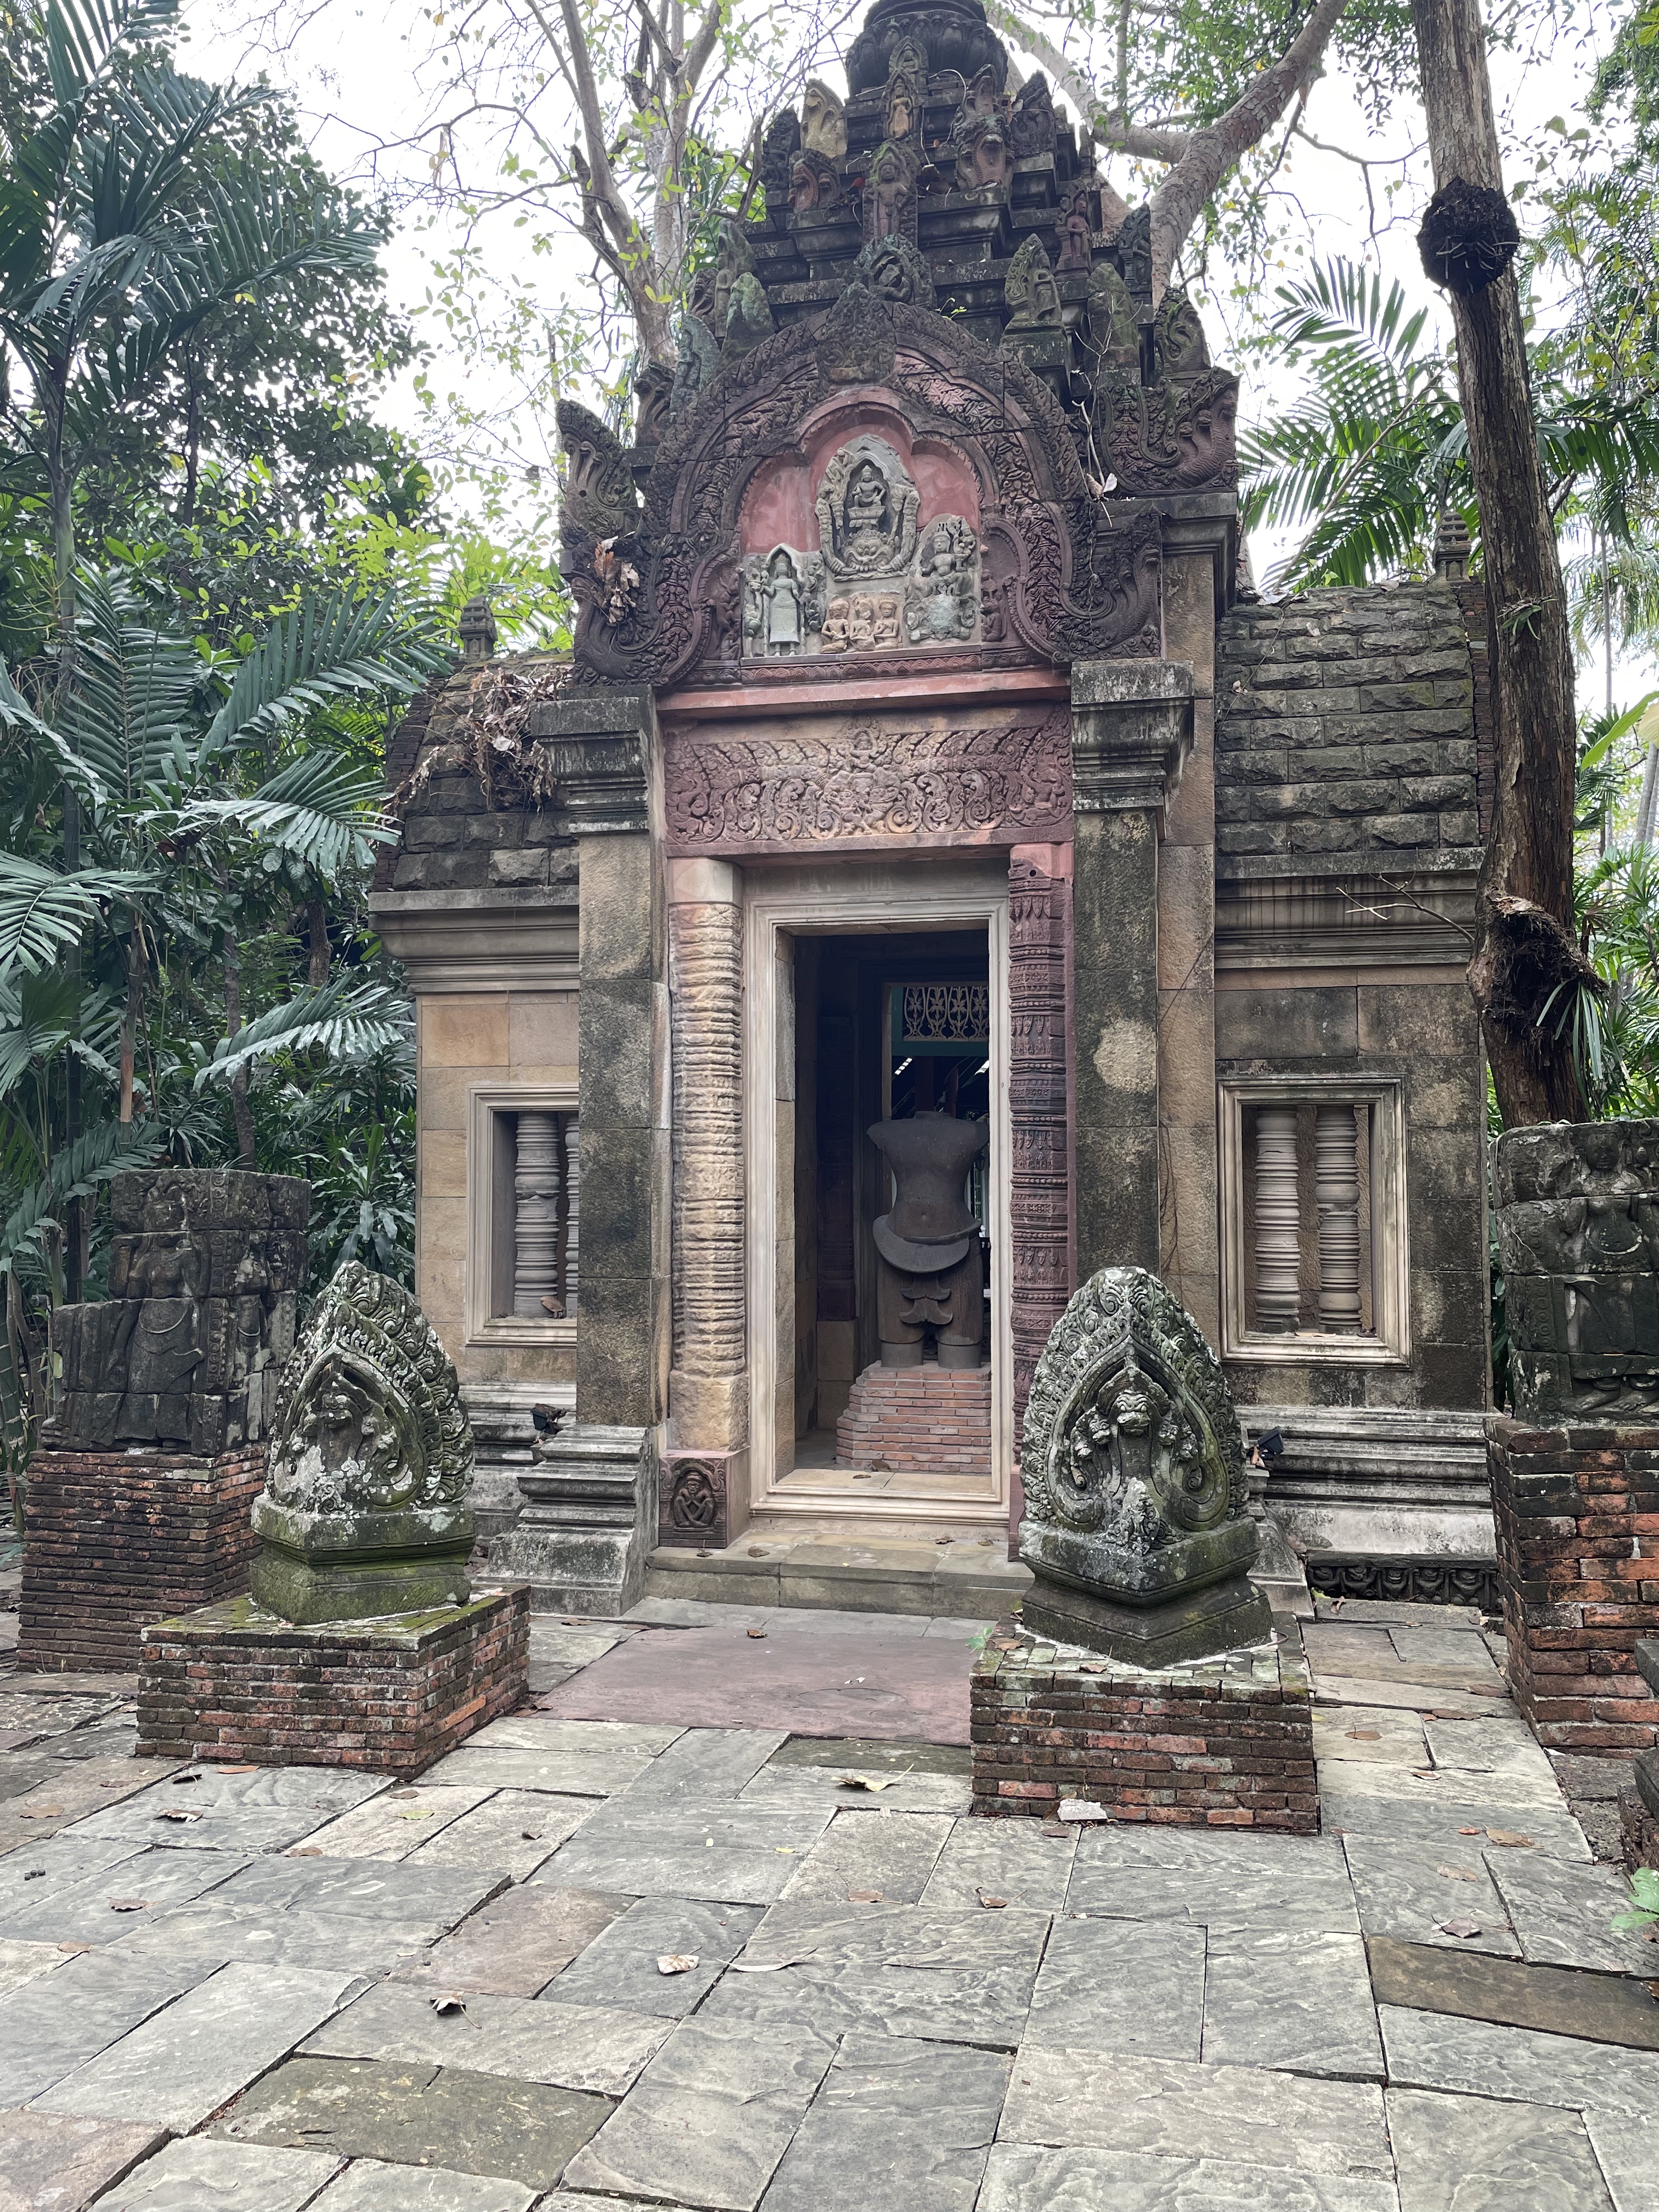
<point>930,1270</point>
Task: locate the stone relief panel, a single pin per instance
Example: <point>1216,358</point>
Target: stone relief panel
<point>939,781</point>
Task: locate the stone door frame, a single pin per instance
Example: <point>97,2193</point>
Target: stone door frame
<point>838,899</point>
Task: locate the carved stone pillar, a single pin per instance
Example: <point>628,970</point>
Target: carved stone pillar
<point>1039,1188</point>
<point>707,1386</point>
<point>541,1217</point>
<point>1337,1192</point>
<point>1278,1221</point>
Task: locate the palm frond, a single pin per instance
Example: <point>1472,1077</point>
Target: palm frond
<point>349,1018</point>
<point>43,914</point>
<point>328,647</point>
<point>136,686</point>
<point>38,1014</point>
<point>76,1172</point>
<point>319,809</point>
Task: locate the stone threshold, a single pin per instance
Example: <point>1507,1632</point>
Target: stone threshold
<point>850,1568</point>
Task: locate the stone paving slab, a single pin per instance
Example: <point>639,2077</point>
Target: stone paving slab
<point>619,1966</point>
<point>1439,1813</point>
<point>1453,2152</point>
<point>368,2185</point>
<point>1013,1860</point>
<point>263,1810</point>
<point>52,2025</point>
<point>723,1851</point>
<point>890,1854</point>
<point>91,1909</point>
<point>199,2175</point>
<point>1597,2008</point>
<point>706,1764</point>
<point>898,1969</point>
<point>207,1937</point>
<point>1165,2109</point>
<point>444,2116</point>
<point>710,2118</point>
<point>514,1946</point>
<point>1121,1986</point>
<point>1390,1612</point>
<point>516,1830</point>
<point>799,1788</point>
<point>1022,2178</point>
<point>1626,2147</point>
<point>1298,2003</point>
<point>886,1680</point>
<point>1409,1890</point>
<point>187,2060</point>
<point>115,1737</point>
<point>541,1751</point>
<point>1419,1645</point>
<point>369,1890</point>
<point>1214,1877</point>
<point>1503,1747</point>
<point>1409,1693</point>
<point>52,1862</point>
<point>554,1640</point>
<point>1563,1914</point>
<point>37,1716</point>
<point>68,1792</point>
<point>1378,1735</point>
<point>911,1755</point>
<point>593,2047</point>
<point>394,1824</point>
<point>49,2163</point>
<point>1433,2050</point>
<point>897,2127</point>
<point>27,1962</point>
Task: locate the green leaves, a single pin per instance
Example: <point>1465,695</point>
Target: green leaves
<point>1644,1892</point>
<point>320,810</point>
<point>351,1017</point>
<point>76,1172</point>
<point>44,914</point>
<point>325,649</point>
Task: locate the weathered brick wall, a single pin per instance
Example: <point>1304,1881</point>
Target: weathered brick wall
<point>1577,1523</point>
<point>931,1418</point>
<point>1345,724</point>
<point>115,1540</point>
<point>231,1683</point>
<point>1225,1744</point>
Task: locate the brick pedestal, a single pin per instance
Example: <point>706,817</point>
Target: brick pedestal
<point>114,1539</point>
<point>233,1683</point>
<point>1220,1743</point>
<point>926,1420</point>
<point>1577,1512</point>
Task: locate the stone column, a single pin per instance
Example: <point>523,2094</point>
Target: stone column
<point>1278,1222</point>
<point>1039,1200</point>
<point>1131,727</point>
<point>1336,1139</point>
<point>541,1215</point>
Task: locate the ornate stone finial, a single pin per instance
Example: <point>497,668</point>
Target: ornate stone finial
<point>698,364</point>
<point>599,500</point>
<point>1030,292</point>
<point>822,121</point>
<point>748,321</point>
<point>1180,349</point>
<point>778,152</point>
<point>984,158</point>
<point>1033,124</point>
<point>1451,546</point>
<point>867,510</point>
<point>889,195</point>
<point>364,1511</point>
<point>477,625</point>
<point>953,33</point>
<point>1137,1508</point>
<point>892,270</point>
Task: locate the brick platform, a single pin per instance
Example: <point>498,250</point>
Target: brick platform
<point>1220,1743</point>
<point>115,1540</point>
<point>925,1420</point>
<point>233,1683</point>
<point>1578,1522</point>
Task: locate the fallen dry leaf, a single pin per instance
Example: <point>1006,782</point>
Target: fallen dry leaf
<point>529,1835</point>
<point>1461,1928</point>
<point>448,2004</point>
<point>400,1793</point>
<point>863,1897</point>
<point>307,1851</point>
<point>192,1774</point>
<point>1458,1873</point>
<point>991,1904</point>
<point>868,1781</point>
<point>757,1636</point>
<point>1469,1832</point>
<point>676,1962</point>
<point>129,1905</point>
<point>1508,1838</point>
<point>72,1948</point>
<point>42,1813</point>
<point>251,1767</point>
<point>178,1814</point>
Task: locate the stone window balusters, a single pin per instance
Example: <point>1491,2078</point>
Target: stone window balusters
<point>1278,1222</point>
<point>1337,1195</point>
<point>543,1181</point>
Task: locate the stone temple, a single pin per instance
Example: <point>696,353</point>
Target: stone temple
<point>935,875</point>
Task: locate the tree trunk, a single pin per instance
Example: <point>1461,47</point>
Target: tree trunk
<point>1524,942</point>
<point>316,936</point>
<point>241,1112</point>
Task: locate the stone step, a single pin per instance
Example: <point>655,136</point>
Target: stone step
<point>851,1570</point>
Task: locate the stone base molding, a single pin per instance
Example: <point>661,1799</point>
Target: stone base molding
<point>704,1497</point>
<point>1222,1743</point>
<point>1577,1519</point>
<point>589,1519</point>
<point>115,1540</point>
<point>923,1420</point>
<point>230,1683</point>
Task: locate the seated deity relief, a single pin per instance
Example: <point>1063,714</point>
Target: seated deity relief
<point>874,583</point>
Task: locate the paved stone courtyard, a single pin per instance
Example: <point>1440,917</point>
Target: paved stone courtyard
<point>277,1988</point>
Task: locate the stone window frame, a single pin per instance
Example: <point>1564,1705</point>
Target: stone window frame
<point>489,1162</point>
<point>1389,1343</point>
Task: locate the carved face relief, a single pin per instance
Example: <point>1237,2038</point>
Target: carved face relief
<point>813,183</point>
<point>866,512</point>
<point>1030,291</point>
<point>985,160</point>
<point>822,121</point>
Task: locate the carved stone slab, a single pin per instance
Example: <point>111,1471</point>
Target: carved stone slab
<point>939,780</point>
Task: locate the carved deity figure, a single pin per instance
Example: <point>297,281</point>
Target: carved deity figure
<point>783,600</point>
<point>931,1273</point>
<point>892,269</point>
<point>866,511</point>
<point>814,182</point>
<point>734,258</point>
<point>1074,233</point>
<point>889,195</point>
<point>836,635</point>
<point>1113,326</point>
<point>942,600</point>
<point>984,160</point>
<point>822,121</point>
<point>1132,244</point>
<point>1030,291</point>
<point>906,91</point>
<point>1032,124</point>
<point>883,621</point>
<point>748,320</point>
